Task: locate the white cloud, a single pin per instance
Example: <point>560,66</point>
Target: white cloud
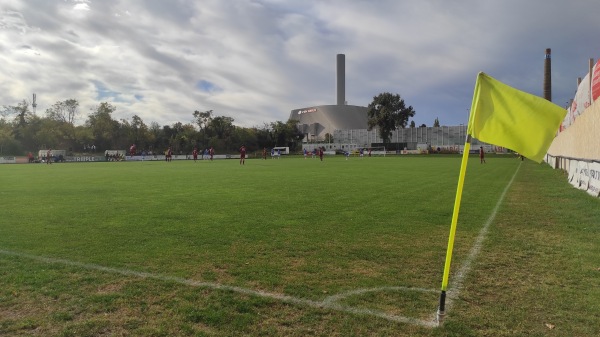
<point>268,57</point>
<point>81,7</point>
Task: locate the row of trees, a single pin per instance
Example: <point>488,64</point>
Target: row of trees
<point>21,131</point>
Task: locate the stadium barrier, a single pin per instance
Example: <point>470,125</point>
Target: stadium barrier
<point>181,157</point>
<point>582,174</point>
<point>77,159</point>
<point>8,160</point>
<point>84,158</point>
<point>575,150</point>
<point>580,139</point>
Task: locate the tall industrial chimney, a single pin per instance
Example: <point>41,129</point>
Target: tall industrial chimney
<point>341,79</point>
<point>548,76</point>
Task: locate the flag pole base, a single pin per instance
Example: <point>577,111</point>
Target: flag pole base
<point>441,313</point>
<point>440,317</point>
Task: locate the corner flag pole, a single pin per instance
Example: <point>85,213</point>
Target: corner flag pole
<point>461,179</point>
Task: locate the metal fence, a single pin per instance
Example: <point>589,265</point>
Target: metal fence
<point>442,136</point>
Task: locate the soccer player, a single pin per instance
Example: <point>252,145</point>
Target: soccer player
<point>243,155</point>
<point>481,155</point>
<point>132,150</point>
<point>49,156</point>
<point>264,153</point>
<point>321,153</point>
<point>169,154</point>
<point>305,153</point>
<point>195,154</point>
<point>211,151</point>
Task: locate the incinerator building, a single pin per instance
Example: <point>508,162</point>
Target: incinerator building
<point>316,121</point>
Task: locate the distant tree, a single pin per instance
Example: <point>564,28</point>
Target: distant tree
<point>278,133</point>
<point>388,112</point>
<point>221,129</point>
<point>286,134</point>
<point>246,136</point>
<point>157,139</point>
<point>83,136</point>
<point>26,127</point>
<point>62,116</point>
<point>412,124</point>
<point>9,144</point>
<point>203,119</point>
<point>22,117</point>
<point>104,128</point>
<point>185,140</point>
<point>64,111</point>
<point>328,138</point>
<point>49,133</point>
<point>135,132</point>
<point>222,126</point>
<point>263,136</point>
<point>294,135</point>
<point>436,123</point>
<point>423,126</point>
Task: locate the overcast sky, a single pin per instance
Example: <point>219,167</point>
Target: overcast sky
<point>256,60</point>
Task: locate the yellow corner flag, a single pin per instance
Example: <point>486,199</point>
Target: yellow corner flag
<point>507,117</point>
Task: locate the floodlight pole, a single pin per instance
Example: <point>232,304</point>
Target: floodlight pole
<point>461,180</point>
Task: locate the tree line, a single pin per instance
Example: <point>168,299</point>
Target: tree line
<point>22,131</point>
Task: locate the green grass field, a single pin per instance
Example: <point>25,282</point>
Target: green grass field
<point>294,247</point>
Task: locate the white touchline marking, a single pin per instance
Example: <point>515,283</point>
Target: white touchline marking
<point>341,296</point>
<point>329,302</point>
<point>457,282</point>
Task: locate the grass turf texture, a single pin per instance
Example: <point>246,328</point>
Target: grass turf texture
<point>302,228</point>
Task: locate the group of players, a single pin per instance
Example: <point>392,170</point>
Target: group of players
<point>315,152</point>
<point>242,151</point>
<point>209,153</point>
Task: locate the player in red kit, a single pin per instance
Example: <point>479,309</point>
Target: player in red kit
<point>169,154</point>
<point>211,152</point>
<point>481,155</point>
<point>243,155</point>
<point>195,154</point>
<point>132,150</point>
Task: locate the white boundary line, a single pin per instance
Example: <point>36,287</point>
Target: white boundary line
<point>330,302</point>
<point>457,282</point>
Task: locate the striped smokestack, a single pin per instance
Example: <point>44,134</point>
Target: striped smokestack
<point>341,79</point>
<point>548,76</point>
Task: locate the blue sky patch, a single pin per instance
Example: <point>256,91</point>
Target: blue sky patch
<point>206,86</point>
<point>104,94</point>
